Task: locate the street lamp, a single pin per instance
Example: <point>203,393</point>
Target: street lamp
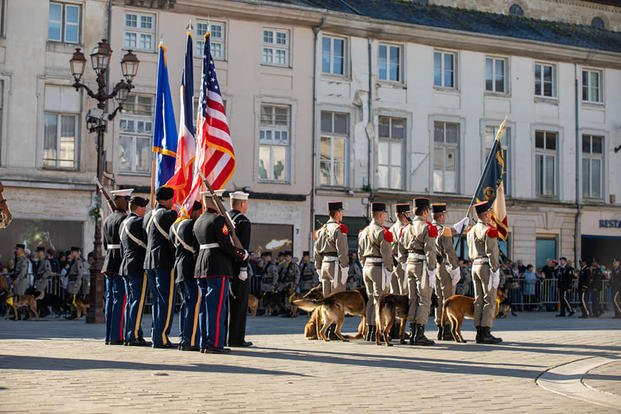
<point>100,62</point>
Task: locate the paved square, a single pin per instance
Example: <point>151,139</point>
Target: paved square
<point>63,366</point>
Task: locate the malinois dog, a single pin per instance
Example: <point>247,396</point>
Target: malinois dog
<point>253,304</point>
<point>458,307</point>
<point>389,308</point>
<point>16,302</point>
<point>81,307</point>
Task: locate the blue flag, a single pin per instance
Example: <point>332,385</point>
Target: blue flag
<point>164,126</point>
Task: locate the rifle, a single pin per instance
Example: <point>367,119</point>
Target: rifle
<point>101,188</point>
<point>222,212</point>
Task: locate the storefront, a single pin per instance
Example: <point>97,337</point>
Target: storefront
<point>601,235</point>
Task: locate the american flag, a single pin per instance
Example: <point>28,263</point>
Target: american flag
<point>215,155</point>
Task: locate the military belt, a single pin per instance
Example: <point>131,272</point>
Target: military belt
<point>330,258</point>
<point>480,260</point>
<point>113,246</point>
<point>374,260</point>
<point>209,246</point>
<point>416,256</point>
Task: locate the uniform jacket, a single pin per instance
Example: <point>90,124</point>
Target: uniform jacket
<point>21,268</point>
<point>597,279</point>
<point>270,274</point>
<point>395,229</point>
<point>615,278</point>
<point>584,278</point>
<point>376,241</point>
<point>444,246</point>
<point>160,251</point>
<point>186,249</point>
<point>77,268</point>
<point>483,243</point>
<point>565,276</point>
<point>215,262</point>
<point>133,252</point>
<point>331,240</point>
<point>111,236</point>
<point>419,237</point>
<point>242,230</point>
<point>43,269</point>
<point>308,273</point>
<point>290,273</point>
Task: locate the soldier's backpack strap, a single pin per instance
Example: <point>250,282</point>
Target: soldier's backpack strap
<point>179,239</point>
<point>153,220</point>
<point>135,239</point>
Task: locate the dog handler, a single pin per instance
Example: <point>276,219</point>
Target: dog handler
<point>483,251</point>
<point>398,282</point>
<point>331,251</point>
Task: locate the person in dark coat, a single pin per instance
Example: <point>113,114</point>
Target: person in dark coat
<point>565,278</point>
<point>615,285</point>
<point>584,287</point>
<point>115,287</point>
<point>214,270</point>
<point>597,282</point>
<point>158,263</point>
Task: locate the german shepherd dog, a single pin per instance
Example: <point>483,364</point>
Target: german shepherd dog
<point>272,302</point>
<point>16,302</point>
<point>458,307</point>
<point>81,307</point>
<point>389,308</point>
<point>50,301</point>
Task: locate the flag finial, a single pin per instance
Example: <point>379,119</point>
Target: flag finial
<point>189,28</point>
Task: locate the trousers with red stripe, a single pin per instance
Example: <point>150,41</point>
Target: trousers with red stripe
<point>214,296</point>
<point>115,307</point>
<point>162,284</point>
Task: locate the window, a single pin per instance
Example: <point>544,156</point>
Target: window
<point>545,160</point>
<point>139,32</point>
<point>444,70</point>
<point>64,23</point>
<point>275,47</point>
<point>61,128</point>
<point>490,136</point>
<point>495,75</point>
<point>389,62</point>
<point>591,86</point>
<point>391,154</point>
<point>274,142</point>
<point>135,137</point>
<point>2,12</point>
<point>516,10</point>
<point>333,148</point>
<point>598,23</point>
<point>333,55</point>
<point>592,163</point>
<point>545,248</point>
<point>216,37</point>
<point>446,156</point>
<point>545,80</point>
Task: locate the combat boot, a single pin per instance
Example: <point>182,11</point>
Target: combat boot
<point>331,333</point>
<point>373,333</point>
<point>487,337</point>
<point>370,329</point>
<point>440,332</point>
<point>412,333</point>
<point>448,336</point>
<point>478,337</point>
<point>420,338</point>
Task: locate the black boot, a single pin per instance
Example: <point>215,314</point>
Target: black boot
<point>478,337</point>
<point>420,338</point>
<point>487,337</point>
<point>331,333</point>
<point>413,328</point>
<point>448,336</point>
<point>440,332</point>
<point>373,333</point>
<point>370,330</point>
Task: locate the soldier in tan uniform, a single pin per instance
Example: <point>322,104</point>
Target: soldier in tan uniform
<point>418,250</point>
<point>483,251</point>
<point>447,272</point>
<point>375,253</point>
<point>398,282</point>
<point>331,251</point>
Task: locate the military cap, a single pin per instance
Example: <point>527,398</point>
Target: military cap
<point>264,254</point>
<point>305,253</point>
<point>164,193</point>
<point>40,249</point>
<point>20,246</point>
<point>482,207</point>
<point>75,249</point>
<point>421,203</point>
<point>438,208</point>
<point>288,253</point>
<point>335,205</point>
<point>377,207</point>
<point>239,195</point>
<point>197,206</point>
<point>139,201</point>
<point>126,192</point>
<point>281,254</point>
<point>402,208</point>
<point>563,258</point>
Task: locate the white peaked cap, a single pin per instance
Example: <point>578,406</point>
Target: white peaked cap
<point>127,192</point>
<point>217,192</point>
<point>239,195</point>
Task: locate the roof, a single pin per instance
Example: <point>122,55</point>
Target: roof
<point>473,21</point>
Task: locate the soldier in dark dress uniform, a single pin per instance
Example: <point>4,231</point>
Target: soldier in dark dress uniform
<point>115,287</point>
<point>240,284</point>
<point>186,249</point>
<point>214,269</point>
<point>158,263</point>
<point>133,245</point>
<point>584,287</point>
<point>565,277</point>
<point>615,285</point>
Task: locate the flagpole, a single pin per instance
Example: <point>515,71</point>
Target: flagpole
<point>152,179</point>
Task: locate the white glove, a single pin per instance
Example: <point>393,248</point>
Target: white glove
<point>496,279</point>
<point>387,277</point>
<point>404,266</point>
<point>243,274</point>
<point>455,275</point>
<point>459,226</point>
<point>246,254</point>
<point>344,274</point>
<point>432,277</point>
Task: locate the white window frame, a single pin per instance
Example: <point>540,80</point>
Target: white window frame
<point>332,72</point>
<point>443,82</point>
<point>2,13</point>
<point>506,148</point>
<point>545,154</point>
<point>135,135</point>
<point>274,128</point>
<point>139,31</point>
<point>590,157</point>
<point>218,41</point>
<point>505,84</point>
<point>444,145</point>
<point>46,162</point>
<point>539,71</point>
<point>389,47</point>
<point>63,22</point>
<point>333,136</point>
<point>390,139</point>
<point>274,47</point>
<point>589,87</point>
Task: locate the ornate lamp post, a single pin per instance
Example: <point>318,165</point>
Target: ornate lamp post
<point>100,62</point>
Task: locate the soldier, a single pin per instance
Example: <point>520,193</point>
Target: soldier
<point>375,253</point>
<point>483,251</point>
<point>448,272</point>
<point>214,269</point>
<point>158,263</point>
<point>584,286</point>
<point>615,285</point>
<point>565,277</point>
<point>398,285</point>
<point>269,276</point>
<point>20,274</point>
<point>115,286</point>
<point>43,271</point>
<point>240,285</point>
<point>417,249</point>
<point>288,280</point>
<point>75,268</point>
<point>186,248</point>
<point>331,250</point>
<point>308,273</point>
<point>133,247</point>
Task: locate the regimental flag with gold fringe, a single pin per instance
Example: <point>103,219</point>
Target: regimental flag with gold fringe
<point>491,185</point>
